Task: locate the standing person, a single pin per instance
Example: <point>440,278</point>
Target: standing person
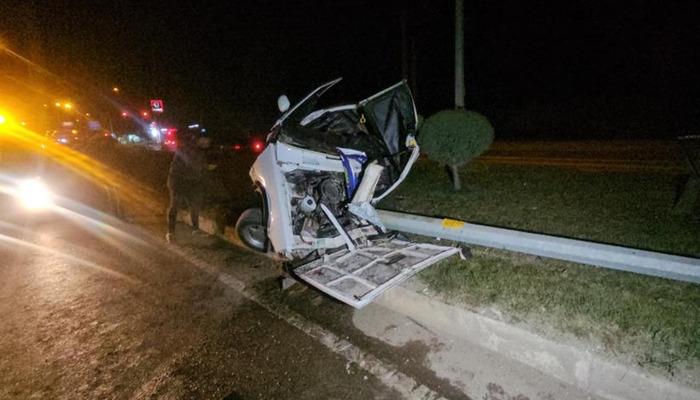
<point>186,181</point>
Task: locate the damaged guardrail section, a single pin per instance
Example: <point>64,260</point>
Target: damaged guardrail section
<point>602,255</point>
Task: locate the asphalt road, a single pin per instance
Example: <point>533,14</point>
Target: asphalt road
<point>88,312</point>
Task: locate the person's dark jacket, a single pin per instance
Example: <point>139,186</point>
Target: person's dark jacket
<point>187,168</point>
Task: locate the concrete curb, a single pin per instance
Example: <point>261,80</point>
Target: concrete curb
<point>567,363</point>
<point>575,366</point>
<point>408,387</point>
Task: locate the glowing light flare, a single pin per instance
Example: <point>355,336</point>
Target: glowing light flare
<point>2,119</point>
<point>34,195</point>
<point>115,89</point>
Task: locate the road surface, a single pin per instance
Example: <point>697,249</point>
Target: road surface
<point>87,314</point>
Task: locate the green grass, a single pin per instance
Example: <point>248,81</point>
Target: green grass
<point>619,208</point>
<point>654,321</point>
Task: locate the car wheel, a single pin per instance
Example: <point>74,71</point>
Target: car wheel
<point>251,229</point>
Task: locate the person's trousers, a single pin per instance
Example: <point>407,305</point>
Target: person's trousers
<point>184,196</point>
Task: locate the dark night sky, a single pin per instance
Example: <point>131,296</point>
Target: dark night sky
<point>555,69</point>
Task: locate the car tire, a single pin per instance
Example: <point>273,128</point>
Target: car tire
<point>250,229</point>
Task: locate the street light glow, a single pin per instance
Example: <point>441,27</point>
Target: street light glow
<point>2,119</point>
<point>68,106</point>
<point>115,89</point>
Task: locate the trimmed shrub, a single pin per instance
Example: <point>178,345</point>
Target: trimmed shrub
<point>455,137</point>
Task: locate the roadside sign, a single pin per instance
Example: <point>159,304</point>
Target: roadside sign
<point>157,105</point>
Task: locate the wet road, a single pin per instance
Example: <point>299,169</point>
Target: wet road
<point>115,315</point>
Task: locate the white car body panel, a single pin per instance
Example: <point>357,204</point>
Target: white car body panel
<point>268,172</point>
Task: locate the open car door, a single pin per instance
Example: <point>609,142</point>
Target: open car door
<point>358,277</point>
<point>391,114</point>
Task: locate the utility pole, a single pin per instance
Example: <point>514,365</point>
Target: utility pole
<point>404,44</point>
<point>408,53</point>
<point>459,54</point>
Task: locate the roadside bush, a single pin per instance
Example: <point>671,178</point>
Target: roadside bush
<point>455,137</point>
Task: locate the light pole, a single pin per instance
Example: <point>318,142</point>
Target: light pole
<point>459,54</point>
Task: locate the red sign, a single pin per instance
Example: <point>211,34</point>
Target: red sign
<point>157,105</point>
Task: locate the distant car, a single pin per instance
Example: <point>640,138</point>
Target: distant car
<point>63,139</point>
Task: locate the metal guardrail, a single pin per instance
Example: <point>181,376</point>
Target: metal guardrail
<point>602,255</point>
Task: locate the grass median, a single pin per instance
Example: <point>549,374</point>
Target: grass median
<point>654,321</point>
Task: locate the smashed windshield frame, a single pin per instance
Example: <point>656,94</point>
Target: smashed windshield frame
<point>378,125</point>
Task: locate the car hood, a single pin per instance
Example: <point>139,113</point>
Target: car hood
<point>301,109</point>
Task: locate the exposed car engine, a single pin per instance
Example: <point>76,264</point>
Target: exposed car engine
<point>309,189</point>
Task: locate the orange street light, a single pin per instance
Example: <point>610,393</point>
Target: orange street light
<point>57,104</point>
<point>68,106</point>
<point>115,89</point>
<point>2,119</point>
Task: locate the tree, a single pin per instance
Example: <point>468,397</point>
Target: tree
<point>455,137</point>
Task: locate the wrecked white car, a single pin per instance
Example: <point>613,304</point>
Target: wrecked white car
<point>319,177</point>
